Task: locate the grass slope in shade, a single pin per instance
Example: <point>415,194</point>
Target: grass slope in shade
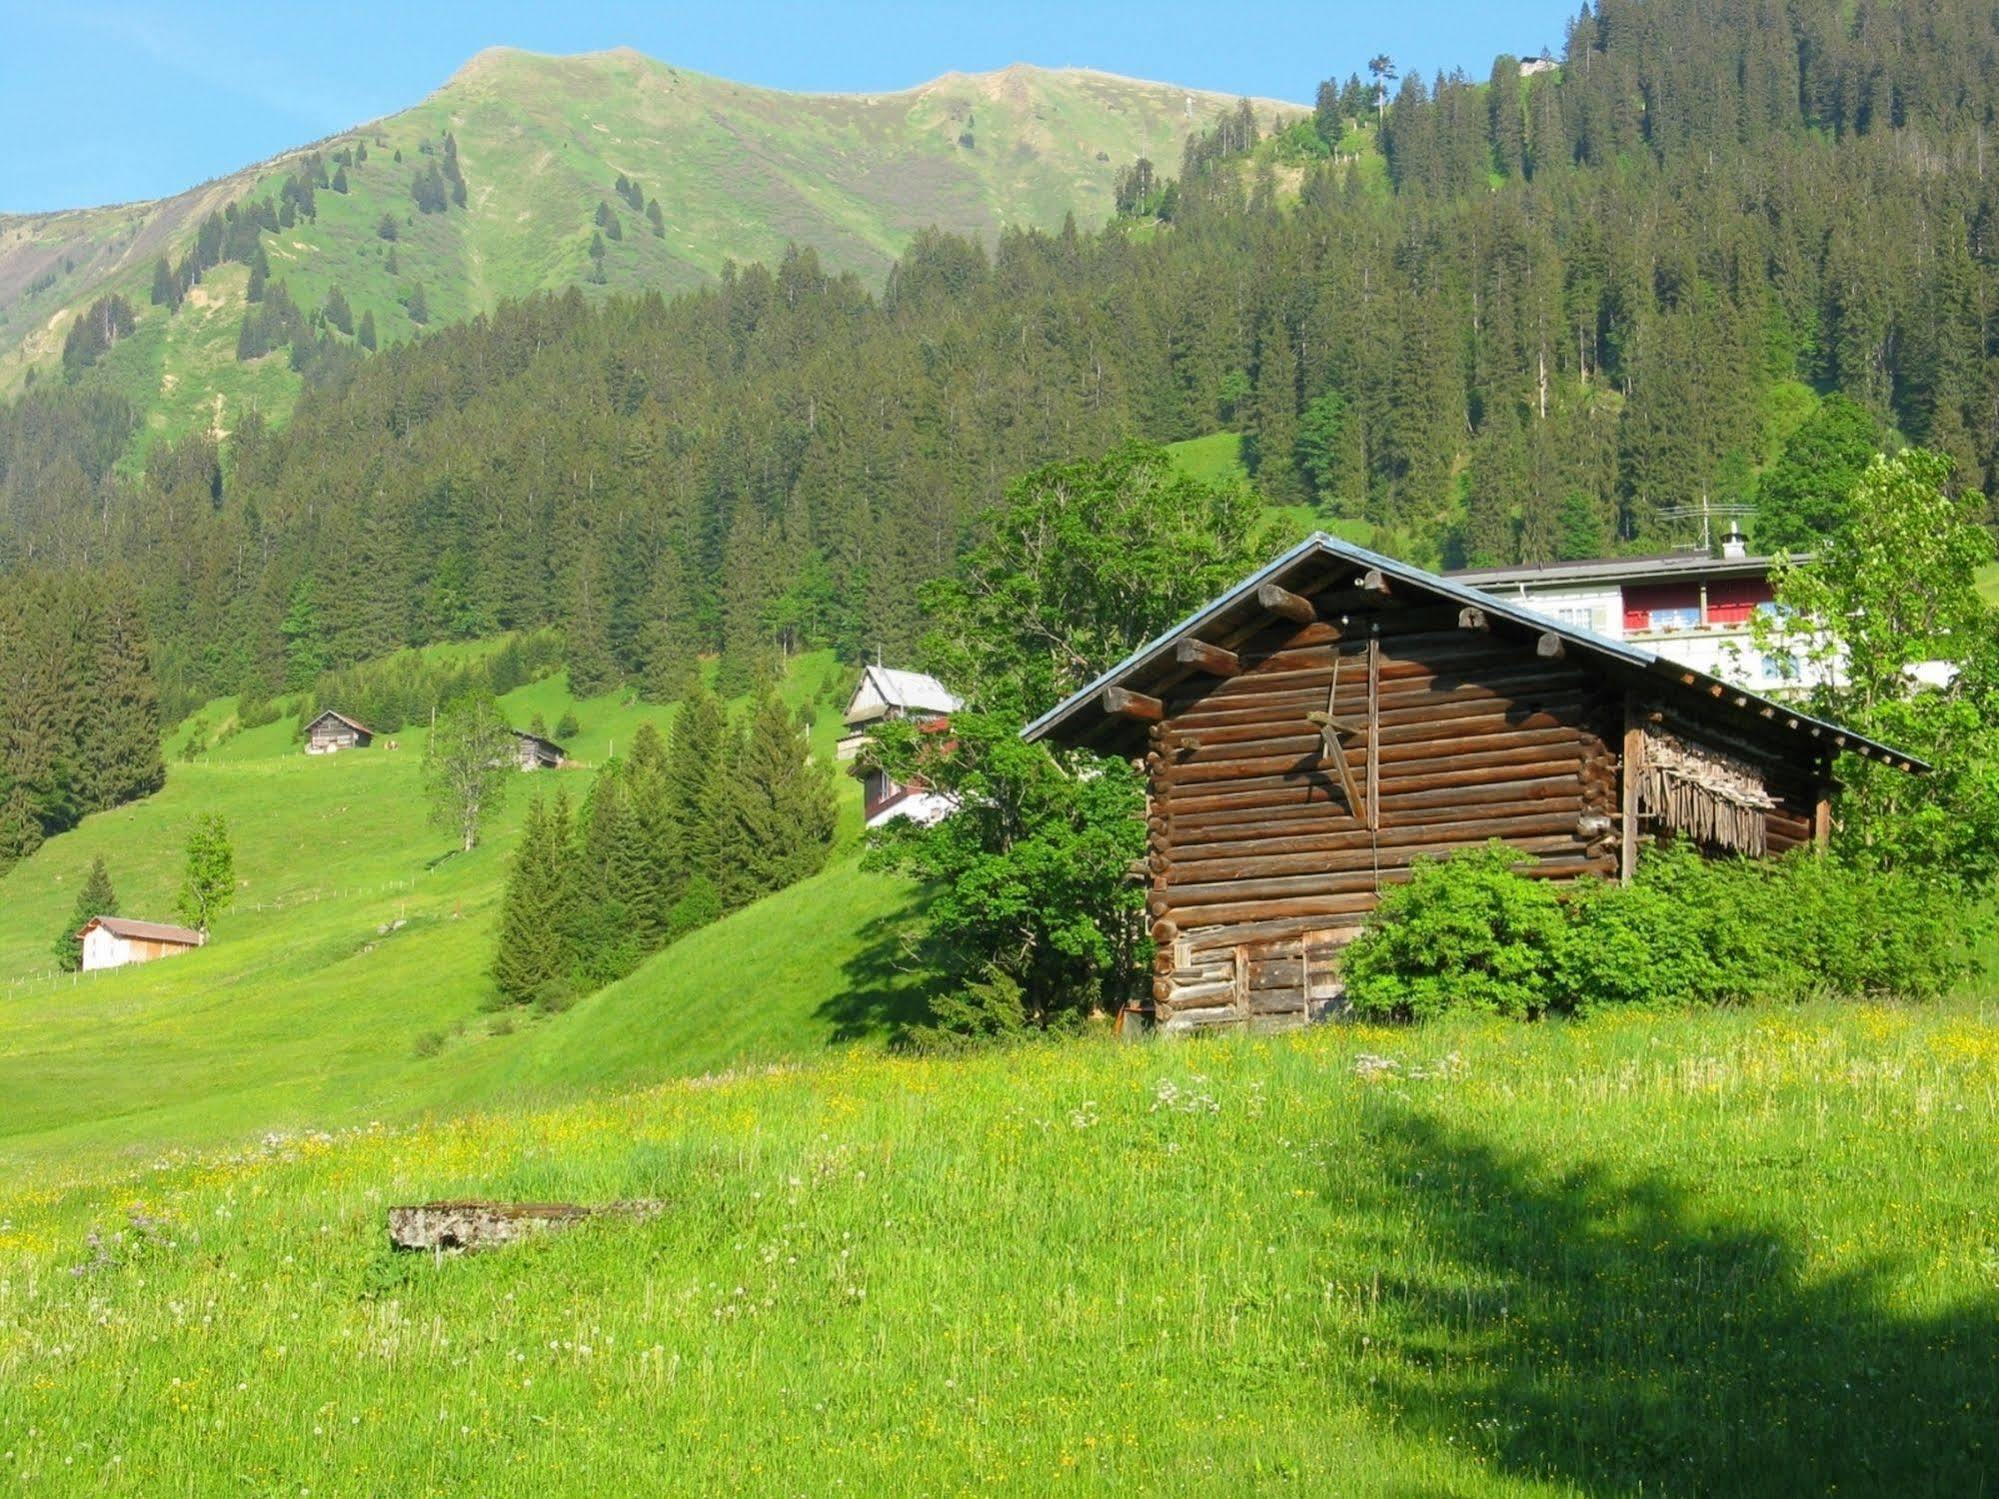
<point>1734,1253</point>
<point>303,1011</point>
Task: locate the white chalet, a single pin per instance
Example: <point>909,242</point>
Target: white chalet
<point>885,693</point>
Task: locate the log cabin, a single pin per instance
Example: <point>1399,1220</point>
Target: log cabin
<point>114,941</point>
<point>1310,734</point>
<point>333,731</point>
<point>533,752</point>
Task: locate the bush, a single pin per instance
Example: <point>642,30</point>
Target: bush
<point>1466,933</point>
<point>1472,933</point>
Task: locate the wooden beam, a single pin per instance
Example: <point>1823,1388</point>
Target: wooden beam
<point>1283,601</point>
<point>1373,583</point>
<point>1122,702</point>
<point>1203,656</point>
<point>1822,816</point>
<point>1633,762</point>
<point>1549,647</point>
<point>1474,619</point>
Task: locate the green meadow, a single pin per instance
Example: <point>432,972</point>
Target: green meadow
<point>1740,1252</point>
<point>349,983</point>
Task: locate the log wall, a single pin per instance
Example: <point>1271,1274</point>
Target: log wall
<point>1259,867</point>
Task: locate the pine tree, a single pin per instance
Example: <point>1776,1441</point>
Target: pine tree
<point>530,961</point>
<point>338,313</point>
<point>692,777</point>
<point>656,219</point>
<point>305,654</point>
<point>209,882</point>
<point>96,898</point>
<point>669,641</point>
<point>118,752</point>
<point>165,292</point>
<point>654,834</point>
<point>600,935</point>
<point>777,812</point>
<point>586,638</point>
<point>365,336</point>
<point>340,180</point>
<point>418,306</point>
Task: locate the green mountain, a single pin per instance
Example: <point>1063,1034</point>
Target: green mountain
<point>542,144</point>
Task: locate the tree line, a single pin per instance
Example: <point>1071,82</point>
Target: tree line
<point>79,718</point>
<point>673,835</point>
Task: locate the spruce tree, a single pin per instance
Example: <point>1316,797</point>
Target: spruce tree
<point>530,961</point>
<point>692,776</point>
<point>776,806</point>
<point>366,334</point>
<point>338,313</point>
<point>587,638</point>
<point>418,306</point>
<point>96,898</point>
<point>602,934</point>
<point>118,753</point>
<point>651,853</point>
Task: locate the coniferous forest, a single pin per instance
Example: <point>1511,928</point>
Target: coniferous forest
<point>1500,318</point>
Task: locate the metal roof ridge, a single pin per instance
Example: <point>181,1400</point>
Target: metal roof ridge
<point>1463,593</point>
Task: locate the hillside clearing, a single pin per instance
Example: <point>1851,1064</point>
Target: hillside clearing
<point>312,1007</point>
<point>1739,1252</point>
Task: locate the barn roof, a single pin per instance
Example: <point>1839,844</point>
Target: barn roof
<point>908,690</point>
<point>144,931</point>
<point>1321,558</point>
<point>352,723</point>
<point>547,744</point>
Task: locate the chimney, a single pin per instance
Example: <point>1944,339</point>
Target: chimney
<point>1734,545</point>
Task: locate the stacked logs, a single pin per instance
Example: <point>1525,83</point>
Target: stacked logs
<point>1258,863</point>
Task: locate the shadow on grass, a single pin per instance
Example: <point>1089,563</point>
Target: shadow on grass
<point>1610,1332</point>
<point>884,990</point>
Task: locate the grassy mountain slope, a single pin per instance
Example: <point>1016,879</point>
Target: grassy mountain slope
<point>1735,1252</point>
<point>304,1011</point>
<point>738,171</point>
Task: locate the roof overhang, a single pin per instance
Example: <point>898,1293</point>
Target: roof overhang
<point>1321,560</point>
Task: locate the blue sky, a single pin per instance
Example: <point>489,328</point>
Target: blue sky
<point>109,102</point>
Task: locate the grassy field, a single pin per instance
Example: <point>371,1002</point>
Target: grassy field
<point>1744,1252</point>
<point>1217,458</point>
<point>311,1008</point>
<point>739,173</point>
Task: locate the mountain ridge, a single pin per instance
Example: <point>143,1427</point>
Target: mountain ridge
<point>739,172</point>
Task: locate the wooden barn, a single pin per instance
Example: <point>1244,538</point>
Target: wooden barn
<point>113,941</point>
<point>532,752</point>
<point>333,731</point>
<point>1314,731</point>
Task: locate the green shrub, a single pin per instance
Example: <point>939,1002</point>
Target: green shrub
<point>1472,933</point>
<point>1466,933</point>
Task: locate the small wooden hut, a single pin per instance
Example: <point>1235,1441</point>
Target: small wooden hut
<point>333,731</point>
<point>1338,715</point>
<point>532,752</point>
<point>114,941</point>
